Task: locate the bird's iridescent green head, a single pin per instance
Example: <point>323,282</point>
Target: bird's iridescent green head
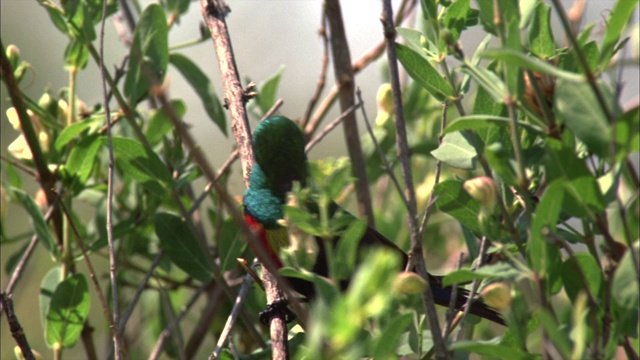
<point>278,145</point>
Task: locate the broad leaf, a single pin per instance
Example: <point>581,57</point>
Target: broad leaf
<point>68,311</point>
<point>456,150</point>
<point>181,246</point>
<point>203,87</point>
<point>149,54</point>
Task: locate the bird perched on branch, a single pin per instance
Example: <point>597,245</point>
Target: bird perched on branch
<point>280,160</point>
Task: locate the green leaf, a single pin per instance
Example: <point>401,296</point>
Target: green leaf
<point>556,333</point>
<point>541,38</point>
<point>626,133</point>
<point>56,14</point>
<point>268,90</point>
<point>149,54</point>
<point>581,112</point>
<point>47,287</point>
<point>528,62</point>
<point>76,55</point>
<point>625,293</point>
<point>618,20</point>
<point>488,80</point>
<point>414,39</point>
<point>347,248</point>
<point>500,162</point>
<point>67,312</point>
<point>495,271</point>
<point>203,87</point>
<point>544,256</point>
<point>456,151</point>
<point>424,73</point>
<point>230,244</point>
<point>429,9</point>
<point>455,18</point>
<point>37,220</point>
<point>181,246</point>
<point>160,124</point>
<point>455,201</point>
<point>82,157</point>
<point>491,349</point>
<point>387,341</point>
<point>72,132</point>
<point>141,164</point>
<point>475,122</point>
<point>573,282</point>
<point>303,220</point>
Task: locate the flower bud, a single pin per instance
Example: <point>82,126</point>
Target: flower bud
<point>409,283</point>
<point>497,295</point>
<point>384,99</point>
<point>484,190</point>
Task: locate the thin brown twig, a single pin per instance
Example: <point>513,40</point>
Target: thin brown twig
<point>332,125</point>
<point>231,319</point>
<point>405,162</point>
<point>322,78</point>
<point>168,330</point>
<point>113,321</point>
<point>119,350</point>
<point>383,157</point>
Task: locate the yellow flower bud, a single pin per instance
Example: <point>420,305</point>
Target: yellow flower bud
<point>384,99</point>
<point>484,190</point>
<point>497,295</point>
<point>409,283</point>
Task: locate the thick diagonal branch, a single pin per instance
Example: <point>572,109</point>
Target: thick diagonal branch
<point>346,83</point>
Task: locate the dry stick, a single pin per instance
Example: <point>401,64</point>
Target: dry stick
<point>203,327</point>
<point>403,154</point>
<point>15,327</point>
<point>214,12</point>
<point>346,83</point>
<point>168,330</point>
<point>127,313</point>
<point>244,289</point>
<point>322,78</point>
<point>332,125</point>
<point>376,144</point>
<point>406,7</point>
<point>113,322</point>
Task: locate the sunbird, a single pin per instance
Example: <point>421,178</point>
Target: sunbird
<point>280,160</point>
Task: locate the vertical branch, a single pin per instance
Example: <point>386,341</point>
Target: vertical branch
<point>214,12</point>
<point>112,252</point>
<point>403,154</point>
<point>346,83</point>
